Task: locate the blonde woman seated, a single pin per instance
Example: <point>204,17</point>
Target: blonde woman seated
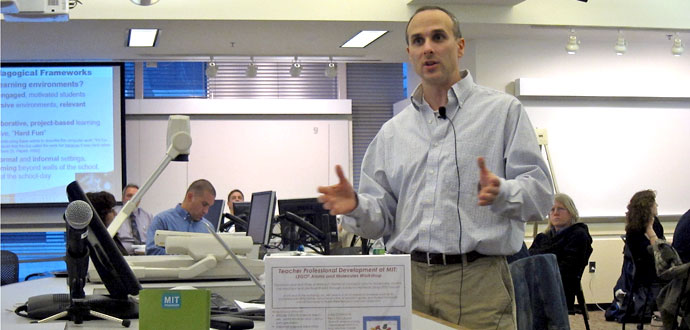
<point>569,240</point>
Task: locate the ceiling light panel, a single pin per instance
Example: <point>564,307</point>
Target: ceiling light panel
<point>142,37</point>
<point>363,39</point>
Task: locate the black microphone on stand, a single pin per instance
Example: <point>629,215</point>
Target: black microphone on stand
<point>78,215</point>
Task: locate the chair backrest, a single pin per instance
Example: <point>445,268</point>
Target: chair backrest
<point>10,267</point>
<point>588,254</point>
<point>539,297</point>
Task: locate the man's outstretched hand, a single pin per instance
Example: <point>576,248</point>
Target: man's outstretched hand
<point>488,184</point>
<point>339,198</point>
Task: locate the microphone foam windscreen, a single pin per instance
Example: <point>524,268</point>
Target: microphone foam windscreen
<point>78,214</point>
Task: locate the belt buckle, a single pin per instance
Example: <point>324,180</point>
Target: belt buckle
<point>428,259</point>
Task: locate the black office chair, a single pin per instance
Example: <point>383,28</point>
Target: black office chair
<point>639,302</point>
<point>579,295</point>
<point>10,267</point>
<point>539,297</point>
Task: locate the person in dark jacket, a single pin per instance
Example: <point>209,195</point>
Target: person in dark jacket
<point>569,240</point>
<point>642,229</point>
<point>681,237</point>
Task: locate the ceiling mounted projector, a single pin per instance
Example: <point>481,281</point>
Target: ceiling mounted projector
<point>35,10</point>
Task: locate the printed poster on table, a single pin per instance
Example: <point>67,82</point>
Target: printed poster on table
<point>338,292</point>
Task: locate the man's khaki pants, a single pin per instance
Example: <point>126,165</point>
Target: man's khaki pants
<point>475,295</point>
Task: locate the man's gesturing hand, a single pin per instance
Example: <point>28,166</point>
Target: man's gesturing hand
<point>488,184</point>
<point>339,198</point>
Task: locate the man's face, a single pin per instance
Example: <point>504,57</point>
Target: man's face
<point>129,193</point>
<point>234,197</point>
<point>433,49</point>
<point>199,203</point>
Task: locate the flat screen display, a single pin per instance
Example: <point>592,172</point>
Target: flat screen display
<point>215,213</point>
<point>61,122</point>
<point>263,208</point>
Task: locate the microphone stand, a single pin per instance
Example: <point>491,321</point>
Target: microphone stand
<point>237,221</point>
<point>234,257</point>
<point>79,308</point>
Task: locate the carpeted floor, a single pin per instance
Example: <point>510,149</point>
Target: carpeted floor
<point>597,322</point>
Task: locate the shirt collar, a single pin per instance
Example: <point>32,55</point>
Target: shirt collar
<point>182,212</point>
<point>459,92</point>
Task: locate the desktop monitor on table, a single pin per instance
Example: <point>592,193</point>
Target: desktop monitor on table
<point>241,210</point>
<point>263,206</point>
<point>215,213</point>
<point>313,212</point>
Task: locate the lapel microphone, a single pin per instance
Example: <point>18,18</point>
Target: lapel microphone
<point>442,113</point>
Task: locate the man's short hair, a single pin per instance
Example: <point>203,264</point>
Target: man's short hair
<point>201,185</point>
<point>129,185</point>
<point>234,191</point>
<point>456,25</point>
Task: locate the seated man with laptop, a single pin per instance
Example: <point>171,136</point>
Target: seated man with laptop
<point>187,216</point>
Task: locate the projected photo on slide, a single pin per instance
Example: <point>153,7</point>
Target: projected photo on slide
<point>60,123</point>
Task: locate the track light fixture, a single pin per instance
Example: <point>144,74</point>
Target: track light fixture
<point>621,45</point>
<point>252,68</point>
<point>332,69</point>
<point>573,44</point>
<point>295,68</point>
<point>677,48</point>
<point>211,68</point>
<point>144,2</point>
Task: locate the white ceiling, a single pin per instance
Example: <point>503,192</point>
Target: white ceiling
<point>237,29</point>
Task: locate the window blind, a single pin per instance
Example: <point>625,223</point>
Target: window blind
<point>273,80</point>
<point>373,88</point>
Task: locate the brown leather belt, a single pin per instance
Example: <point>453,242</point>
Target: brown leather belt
<point>444,259</point>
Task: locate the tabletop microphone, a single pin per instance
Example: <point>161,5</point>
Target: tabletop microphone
<point>442,112</point>
<point>78,215</point>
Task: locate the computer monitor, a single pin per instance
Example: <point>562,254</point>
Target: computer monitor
<point>263,206</point>
<point>313,212</point>
<point>241,210</point>
<point>215,213</point>
<point>111,266</point>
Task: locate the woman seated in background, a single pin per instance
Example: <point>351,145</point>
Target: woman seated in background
<point>569,240</point>
<point>642,229</point>
<point>104,202</point>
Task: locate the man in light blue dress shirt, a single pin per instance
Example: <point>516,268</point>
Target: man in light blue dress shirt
<point>187,216</point>
<point>451,180</point>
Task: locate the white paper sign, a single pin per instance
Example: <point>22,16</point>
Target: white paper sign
<point>338,292</point>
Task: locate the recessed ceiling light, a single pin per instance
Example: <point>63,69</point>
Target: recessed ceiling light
<point>142,37</point>
<point>363,38</point>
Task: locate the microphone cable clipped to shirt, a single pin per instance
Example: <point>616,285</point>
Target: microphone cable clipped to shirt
<point>442,115</point>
